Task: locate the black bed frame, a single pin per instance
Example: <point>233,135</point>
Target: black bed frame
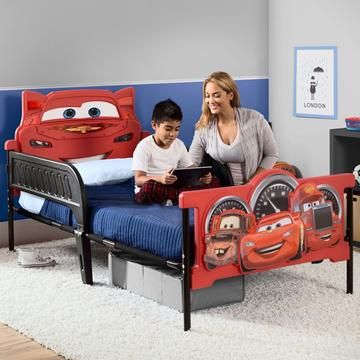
<point>62,183</point>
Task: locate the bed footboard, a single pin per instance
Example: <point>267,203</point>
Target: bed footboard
<point>55,181</point>
<point>266,224</point>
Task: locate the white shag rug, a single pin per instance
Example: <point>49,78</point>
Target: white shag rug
<point>299,312</point>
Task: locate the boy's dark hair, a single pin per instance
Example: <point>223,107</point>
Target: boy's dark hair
<point>165,110</point>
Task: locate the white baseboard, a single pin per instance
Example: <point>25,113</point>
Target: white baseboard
<point>30,231</point>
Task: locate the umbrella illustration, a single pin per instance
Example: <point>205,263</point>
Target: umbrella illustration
<point>318,69</point>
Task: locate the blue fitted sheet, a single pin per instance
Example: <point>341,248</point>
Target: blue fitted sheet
<point>115,215</point>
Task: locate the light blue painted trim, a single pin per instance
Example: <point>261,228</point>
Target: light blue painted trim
<point>315,116</point>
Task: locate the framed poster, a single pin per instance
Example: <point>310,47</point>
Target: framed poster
<point>315,88</point>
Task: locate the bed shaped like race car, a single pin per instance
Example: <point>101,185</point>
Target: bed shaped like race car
<point>213,234</point>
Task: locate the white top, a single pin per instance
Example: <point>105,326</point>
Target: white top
<point>154,160</point>
<point>232,155</point>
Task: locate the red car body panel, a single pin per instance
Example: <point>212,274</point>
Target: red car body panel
<point>108,136</point>
<point>222,243</point>
<point>305,201</point>
<point>321,239</point>
<point>268,248</point>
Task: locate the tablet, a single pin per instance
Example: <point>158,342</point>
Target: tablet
<point>190,176</point>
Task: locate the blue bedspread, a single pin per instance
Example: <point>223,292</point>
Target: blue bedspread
<point>115,215</point>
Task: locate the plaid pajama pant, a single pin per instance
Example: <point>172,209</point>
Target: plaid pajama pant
<point>154,192</point>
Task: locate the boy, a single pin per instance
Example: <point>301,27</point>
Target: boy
<point>157,155</point>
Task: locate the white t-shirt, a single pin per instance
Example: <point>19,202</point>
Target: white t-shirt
<point>154,160</point>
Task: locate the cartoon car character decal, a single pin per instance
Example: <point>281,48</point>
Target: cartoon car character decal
<point>222,242</point>
<point>323,227</point>
<point>78,125</point>
<point>356,173</point>
<point>278,238</point>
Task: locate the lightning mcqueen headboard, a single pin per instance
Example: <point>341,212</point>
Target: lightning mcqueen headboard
<point>74,125</point>
<point>273,221</point>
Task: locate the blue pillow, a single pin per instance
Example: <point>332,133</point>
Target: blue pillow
<point>105,172</point>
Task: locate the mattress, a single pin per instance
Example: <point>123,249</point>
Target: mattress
<point>115,215</point>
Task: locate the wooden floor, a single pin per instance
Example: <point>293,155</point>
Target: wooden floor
<point>14,346</point>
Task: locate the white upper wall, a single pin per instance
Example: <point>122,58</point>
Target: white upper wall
<point>90,42</point>
<point>305,141</point>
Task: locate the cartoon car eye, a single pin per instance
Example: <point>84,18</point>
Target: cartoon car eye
<point>269,227</point>
<point>95,109</point>
<point>264,228</point>
<point>94,112</point>
<point>92,109</point>
<point>307,206</point>
<point>69,113</point>
<point>60,113</point>
<point>315,203</point>
<point>98,108</point>
<point>284,221</point>
<point>230,222</point>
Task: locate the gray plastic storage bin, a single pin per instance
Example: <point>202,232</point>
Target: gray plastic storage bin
<point>165,285</point>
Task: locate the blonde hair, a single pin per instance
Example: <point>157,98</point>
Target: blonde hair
<point>226,83</point>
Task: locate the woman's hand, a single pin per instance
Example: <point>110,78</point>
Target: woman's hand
<point>206,179</point>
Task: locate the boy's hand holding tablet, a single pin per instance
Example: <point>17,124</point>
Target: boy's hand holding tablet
<point>192,176</point>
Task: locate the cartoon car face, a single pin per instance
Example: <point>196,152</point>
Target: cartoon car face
<point>222,242</point>
<point>278,238</point>
<point>78,125</point>
<point>322,226</point>
<point>221,249</point>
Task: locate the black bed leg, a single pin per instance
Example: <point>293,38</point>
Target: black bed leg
<point>186,270</point>
<point>349,236</point>
<point>349,273</point>
<point>10,208</point>
<point>84,253</point>
<point>10,223</point>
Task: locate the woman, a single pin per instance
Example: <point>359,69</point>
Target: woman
<point>237,137</point>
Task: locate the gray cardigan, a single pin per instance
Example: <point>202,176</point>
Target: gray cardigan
<point>256,139</point>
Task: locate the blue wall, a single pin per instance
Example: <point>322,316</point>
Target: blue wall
<point>253,94</point>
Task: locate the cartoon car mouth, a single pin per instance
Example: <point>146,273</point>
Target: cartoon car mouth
<point>326,237</point>
<point>220,252</point>
<point>226,236</point>
<point>82,129</point>
<point>88,158</point>
<point>270,249</point>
